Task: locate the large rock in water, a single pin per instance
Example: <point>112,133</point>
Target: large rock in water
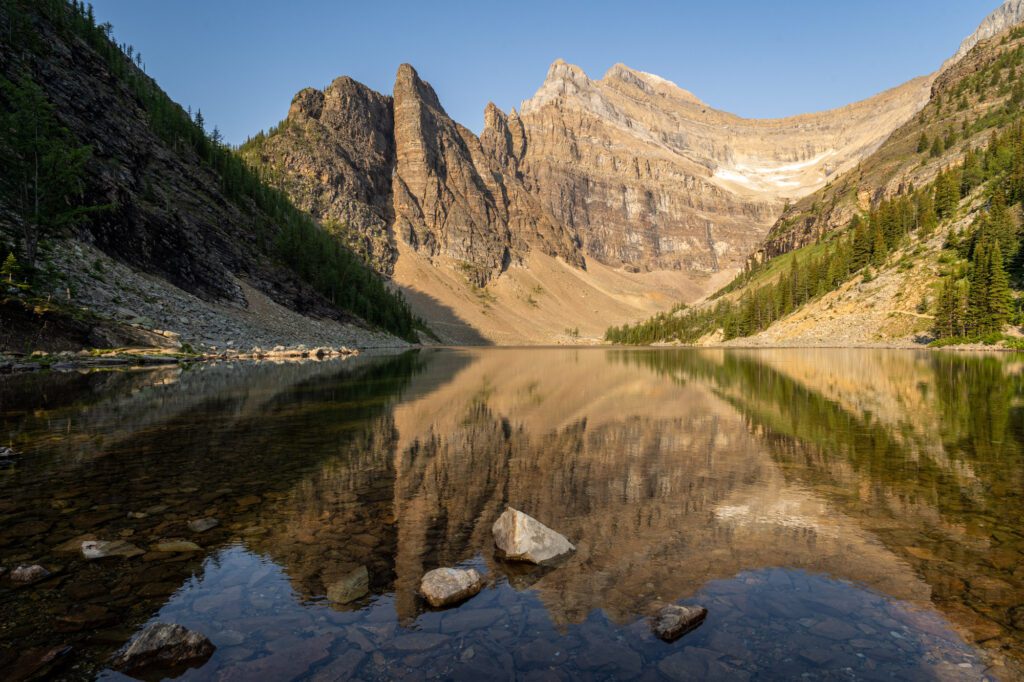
<point>520,537</point>
<point>164,645</point>
<point>674,621</point>
<point>446,586</point>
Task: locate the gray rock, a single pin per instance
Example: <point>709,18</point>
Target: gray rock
<point>101,549</point>
<point>447,586</point>
<point>7,453</point>
<point>164,645</point>
<point>351,587</point>
<point>202,525</point>
<point>520,537</point>
<point>674,621</point>
<point>29,574</point>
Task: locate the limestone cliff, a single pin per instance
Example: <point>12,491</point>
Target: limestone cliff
<point>654,179</point>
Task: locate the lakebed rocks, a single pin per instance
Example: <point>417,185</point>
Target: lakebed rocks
<point>26,575</point>
<point>102,549</point>
<point>674,621</point>
<point>164,645</point>
<point>448,586</point>
<point>353,586</point>
<point>520,537</point>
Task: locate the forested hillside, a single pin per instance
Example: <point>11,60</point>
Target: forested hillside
<point>93,149</point>
<point>942,197</point>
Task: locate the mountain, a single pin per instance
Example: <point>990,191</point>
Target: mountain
<point>151,231</point>
<point>601,201</point>
<point>899,250</point>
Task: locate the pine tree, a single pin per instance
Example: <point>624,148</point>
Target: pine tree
<point>1000,302</point>
<point>948,318</point>
<point>10,270</point>
<point>879,250</point>
<point>44,167</point>
<point>923,143</point>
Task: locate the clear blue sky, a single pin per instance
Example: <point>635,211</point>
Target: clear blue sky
<point>241,61</point>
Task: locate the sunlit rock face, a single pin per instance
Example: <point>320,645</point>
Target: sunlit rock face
<point>651,177</point>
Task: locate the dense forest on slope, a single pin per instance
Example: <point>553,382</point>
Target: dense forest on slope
<point>155,197</point>
<point>957,170</point>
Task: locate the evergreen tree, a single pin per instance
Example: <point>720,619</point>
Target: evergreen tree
<point>879,250</point>
<point>923,143</point>
<point>10,270</point>
<point>44,167</point>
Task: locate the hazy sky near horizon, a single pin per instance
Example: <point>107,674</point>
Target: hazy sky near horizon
<point>241,61</point>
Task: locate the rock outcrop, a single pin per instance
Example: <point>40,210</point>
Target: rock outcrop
<point>1007,15</point>
<point>520,537</point>
<point>164,646</point>
<point>447,586</point>
<point>674,621</point>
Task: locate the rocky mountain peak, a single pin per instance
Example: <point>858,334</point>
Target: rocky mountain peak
<point>409,84</point>
<point>649,83</point>
<point>1007,15</point>
<point>307,103</point>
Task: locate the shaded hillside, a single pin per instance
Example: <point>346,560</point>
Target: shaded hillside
<point>149,186</point>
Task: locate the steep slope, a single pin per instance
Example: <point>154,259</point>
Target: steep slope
<point>602,202</point>
<point>895,250</point>
<point>178,217</point>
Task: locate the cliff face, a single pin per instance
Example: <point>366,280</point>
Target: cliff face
<point>652,178</point>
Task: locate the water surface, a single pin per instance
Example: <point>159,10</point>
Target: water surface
<point>842,514</point>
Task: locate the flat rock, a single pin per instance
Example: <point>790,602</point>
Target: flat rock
<point>674,621</point>
<point>520,537</point>
<point>447,586</point>
<point>353,586</point>
<point>176,546</point>
<point>202,525</point>
<point>101,549</point>
<point>164,645</point>
<point>26,575</point>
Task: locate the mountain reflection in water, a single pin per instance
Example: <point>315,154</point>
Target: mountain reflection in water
<point>840,513</point>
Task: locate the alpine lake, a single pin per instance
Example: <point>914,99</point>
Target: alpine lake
<point>841,514</point>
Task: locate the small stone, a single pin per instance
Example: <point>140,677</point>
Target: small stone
<point>447,586</point>
<point>520,537</point>
<point>202,525</point>
<point>176,546</point>
<point>353,586</point>
<point>26,575</point>
<point>101,549</point>
<point>164,645</point>
<point>674,621</point>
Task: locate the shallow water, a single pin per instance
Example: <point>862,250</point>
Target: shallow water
<point>841,514</point>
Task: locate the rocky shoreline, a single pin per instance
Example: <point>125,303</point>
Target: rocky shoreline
<point>151,357</point>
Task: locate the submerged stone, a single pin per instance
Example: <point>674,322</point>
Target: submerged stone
<point>176,546</point>
<point>202,525</point>
<point>164,645</point>
<point>25,575</point>
<point>446,586</point>
<point>101,549</point>
<point>353,586</point>
<point>520,537</point>
<point>674,621</point>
